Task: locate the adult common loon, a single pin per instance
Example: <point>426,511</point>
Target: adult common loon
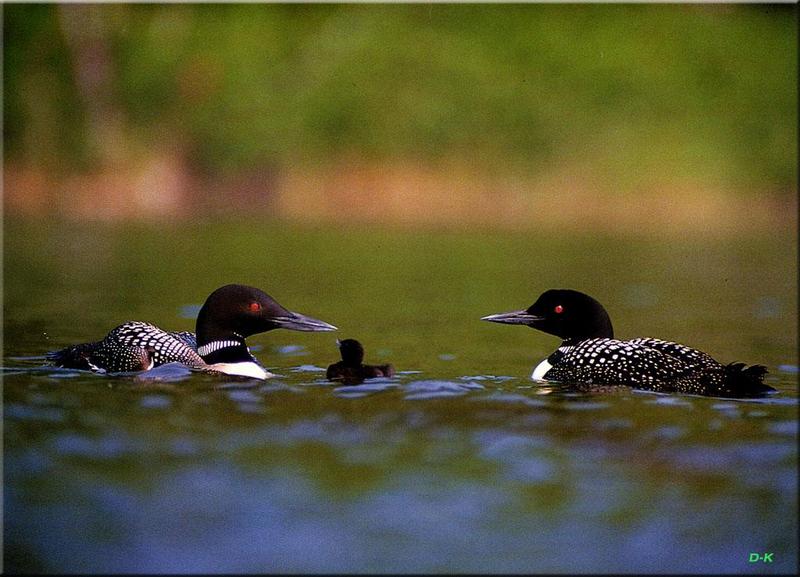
<point>230,314</point>
<point>350,370</point>
<point>590,355</point>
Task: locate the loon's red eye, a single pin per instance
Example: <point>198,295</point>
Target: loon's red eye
<point>559,309</point>
<point>255,307</point>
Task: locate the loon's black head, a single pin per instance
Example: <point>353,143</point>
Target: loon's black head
<point>240,311</point>
<point>568,314</point>
<point>352,352</point>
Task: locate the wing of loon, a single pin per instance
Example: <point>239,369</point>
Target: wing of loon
<point>682,352</point>
<point>614,362</point>
<point>167,347</point>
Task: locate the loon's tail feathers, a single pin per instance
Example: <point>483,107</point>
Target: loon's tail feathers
<point>74,357</point>
<point>744,381</point>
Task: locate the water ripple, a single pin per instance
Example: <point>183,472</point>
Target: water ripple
<point>34,413</point>
<point>431,389</point>
<point>307,369</point>
<point>512,398</point>
<point>789,428</point>
<point>365,389</point>
<point>167,373</point>
<point>155,402</point>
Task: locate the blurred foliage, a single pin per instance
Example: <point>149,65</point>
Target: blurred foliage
<point>697,93</point>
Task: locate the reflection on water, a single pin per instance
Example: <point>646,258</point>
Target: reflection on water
<point>458,463</point>
<point>407,474</point>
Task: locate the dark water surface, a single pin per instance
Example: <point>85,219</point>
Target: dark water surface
<point>457,464</point>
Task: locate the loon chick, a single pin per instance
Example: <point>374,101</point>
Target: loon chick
<point>590,355</point>
<point>350,369</point>
<point>230,314</point>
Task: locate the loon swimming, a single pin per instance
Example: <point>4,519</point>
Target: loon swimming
<point>350,370</point>
<point>590,355</point>
<point>230,314</point>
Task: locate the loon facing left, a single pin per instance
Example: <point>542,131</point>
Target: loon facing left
<point>590,358</point>
<point>230,314</point>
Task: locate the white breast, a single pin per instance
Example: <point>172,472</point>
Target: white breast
<point>245,369</point>
<point>540,371</point>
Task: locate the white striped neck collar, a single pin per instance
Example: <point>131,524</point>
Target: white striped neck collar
<point>214,346</point>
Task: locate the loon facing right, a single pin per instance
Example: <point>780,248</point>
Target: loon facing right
<point>590,355</point>
<point>230,314</point>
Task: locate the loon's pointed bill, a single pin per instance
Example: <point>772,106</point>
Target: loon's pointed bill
<point>512,318</point>
<point>298,322</point>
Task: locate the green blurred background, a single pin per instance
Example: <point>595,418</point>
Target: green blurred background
<point>669,117</point>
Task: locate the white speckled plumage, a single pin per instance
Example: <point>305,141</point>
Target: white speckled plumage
<point>590,356</point>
